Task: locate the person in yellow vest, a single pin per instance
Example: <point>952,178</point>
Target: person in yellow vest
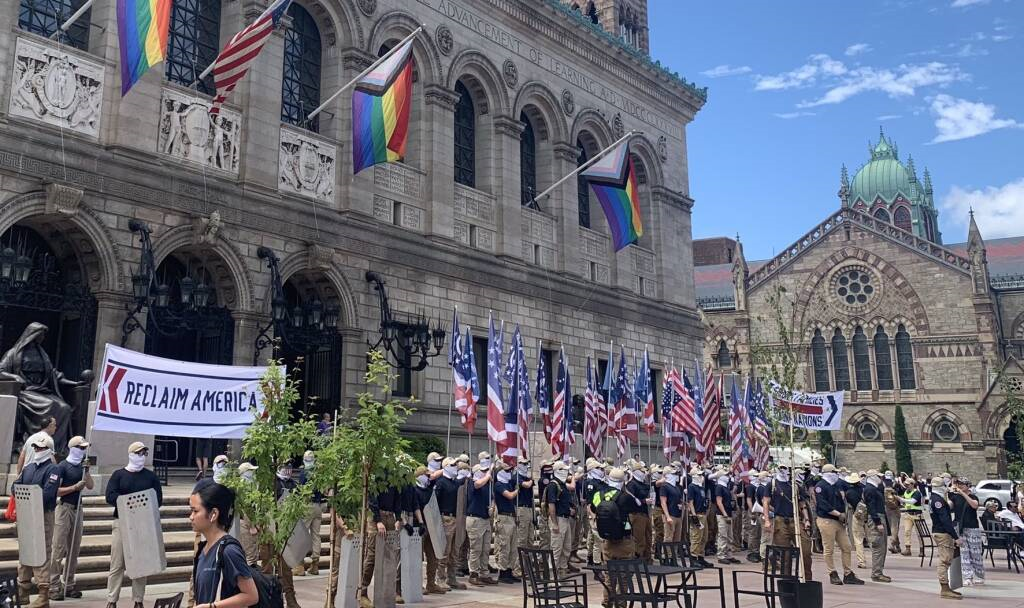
<point>910,512</point>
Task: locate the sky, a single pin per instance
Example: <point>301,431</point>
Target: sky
<point>798,88</point>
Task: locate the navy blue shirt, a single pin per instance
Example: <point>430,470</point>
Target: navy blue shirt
<point>942,520</point>
<point>318,496</point>
<point>698,497</point>
<point>781,498</point>
<point>559,495</point>
<point>506,506</point>
<point>728,502</point>
<point>123,481</point>
<point>673,499</point>
<point>70,474</point>
<point>525,498</point>
<point>828,499</point>
<point>874,500</point>
<point>447,491</point>
<point>231,569</point>
<point>479,500</point>
<point>46,476</point>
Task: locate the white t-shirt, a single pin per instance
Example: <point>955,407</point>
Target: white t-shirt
<point>28,444</point>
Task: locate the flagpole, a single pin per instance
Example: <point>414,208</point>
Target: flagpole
<point>373,66</point>
<point>451,391</point>
<point>73,18</point>
<point>586,165</point>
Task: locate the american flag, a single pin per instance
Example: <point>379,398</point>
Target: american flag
<point>669,438</point>
<point>737,460</point>
<point>518,408</point>
<point>495,400</point>
<point>606,422</point>
<point>543,399</point>
<point>234,61</point>
<point>746,423</point>
<point>570,420</point>
<point>624,419</point>
<point>697,392</point>
<point>467,385</point>
<point>683,418</point>
<point>593,436</point>
<point>560,410</point>
<point>712,423</point>
<point>759,419</point>
<point>645,394</point>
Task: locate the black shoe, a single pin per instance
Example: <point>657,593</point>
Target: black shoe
<point>73,593</point>
<point>851,579</point>
<point>492,569</point>
<point>705,563</point>
<point>505,576</point>
<point>753,558</point>
<point>833,577</point>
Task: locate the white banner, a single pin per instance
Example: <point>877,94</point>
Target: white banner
<point>155,396</point>
<point>812,411</point>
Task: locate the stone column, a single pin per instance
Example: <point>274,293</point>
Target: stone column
<point>247,325</point>
<point>355,192</point>
<point>564,205</point>
<point>353,363</point>
<point>673,245</point>
<point>507,186</point>
<point>439,183</point>
<point>111,312</point>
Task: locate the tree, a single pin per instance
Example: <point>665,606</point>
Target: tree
<point>1015,412</point>
<point>904,463</point>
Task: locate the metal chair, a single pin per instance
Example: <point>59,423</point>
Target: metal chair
<point>542,584</point>
<point>780,563</point>
<point>629,583</point>
<point>169,602</point>
<point>924,535</point>
<point>678,554</point>
<point>998,536</point>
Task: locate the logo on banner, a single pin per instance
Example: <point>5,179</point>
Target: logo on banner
<point>812,411</point>
<point>112,377</point>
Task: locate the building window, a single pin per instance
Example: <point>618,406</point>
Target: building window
<point>465,137</point>
<point>883,360</point>
<point>820,362</point>
<point>854,287</point>
<point>946,431</point>
<point>840,361</point>
<point>904,358</point>
<point>44,17</point>
<point>582,187</point>
<point>300,87</point>
<point>901,217</point>
<point>867,430</point>
<point>724,356</point>
<point>527,162</point>
<point>403,379</point>
<point>193,42</point>
<point>861,360</point>
<point>882,214</point>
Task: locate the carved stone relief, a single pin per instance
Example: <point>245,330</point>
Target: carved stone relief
<point>368,7</point>
<point>189,132</point>
<point>662,148</point>
<point>56,88</point>
<point>568,103</point>
<point>617,126</point>
<point>511,73</point>
<point>63,199</point>
<point>205,229</point>
<point>306,165</point>
<point>384,209</point>
<point>445,40</point>
<point>398,178</point>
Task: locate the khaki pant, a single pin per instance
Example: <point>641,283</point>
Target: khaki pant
<point>561,542</point>
<point>595,544</point>
<point>673,529</point>
<point>314,522</point>
<point>877,538</point>
<point>698,533</point>
<point>524,536</point>
<point>41,573</point>
<point>834,533</point>
<point>505,553</point>
<point>724,541</point>
<point>944,545</point>
<point>894,516</point>
<point>431,558</point>
<point>858,530</point>
<point>478,530</point>
<point>640,523</point>
<point>784,535</point>
<point>755,532</point>
<point>66,543</point>
<point>657,525</point>
<point>544,528</point>
<point>907,528</point>
<point>249,542</point>
<point>617,549</point>
<point>388,519</point>
<point>449,563</point>
<point>116,576</point>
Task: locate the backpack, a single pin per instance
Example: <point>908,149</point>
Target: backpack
<point>267,586</point>
<point>610,525</point>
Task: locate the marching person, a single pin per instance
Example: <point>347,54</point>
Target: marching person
<point>478,524</point>
<point>725,504</point>
<point>672,506</point>
<point>654,502</point>
<point>385,514</point>
<point>754,523</point>
<point>424,492</point>
<point>697,504</point>
<point>446,488</point>
<point>67,531</point>
<point>40,471</point>
<point>594,484</point>
<point>831,517</point>
<point>965,509</point>
<point>856,516</point>
<point>134,477</point>
<point>781,522</point>
<point>911,510</point>
<point>945,536</point>
<point>877,524</point>
<point>763,496</point>
<point>274,562</point>
<point>313,521</point>
<point>434,466</point>
<point>247,532</point>
<point>559,502</point>
<point>505,494</point>
<point>525,519</point>
<point>892,489</point>
<point>640,516</point>
<point>547,474</point>
<point>220,558</point>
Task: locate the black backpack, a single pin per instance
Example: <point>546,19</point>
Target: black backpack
<point>610,525</point>
<point>267,586</point>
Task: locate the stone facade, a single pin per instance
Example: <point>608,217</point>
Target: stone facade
<point>213,191</point>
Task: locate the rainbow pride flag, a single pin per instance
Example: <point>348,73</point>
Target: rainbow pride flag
<point>142,27</point>
<point>380,111</point>
<point>614,182</point>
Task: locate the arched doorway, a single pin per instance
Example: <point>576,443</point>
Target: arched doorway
<point>1013,449</point>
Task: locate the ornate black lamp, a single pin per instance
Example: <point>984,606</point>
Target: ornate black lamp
<point>303,327</point>
<point>406,339</point>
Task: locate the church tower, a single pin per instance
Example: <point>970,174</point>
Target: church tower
<point>624,19</point>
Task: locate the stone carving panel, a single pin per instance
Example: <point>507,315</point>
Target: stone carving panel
<point>63,199</point>
<point>306,165</point>
<point>568,103</point>
<point>410,217</point>
<point>663,148</point>
<point>482,238</point>
<point>461,232</point>
<point>538,227</point>
<point>384,209</point>
<point>56,88</point>
<point>474,204</point>
<point>189,132</point>
<point>368,7</point>
<point>511,73</point>
<point>595,245</point>
<point>643,261</point>
<point>445,40</point>
<point>398,178</point>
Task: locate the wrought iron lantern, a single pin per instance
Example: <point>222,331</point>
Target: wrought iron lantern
<point>406,339</point>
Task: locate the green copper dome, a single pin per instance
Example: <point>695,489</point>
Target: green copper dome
<point>883,177</point>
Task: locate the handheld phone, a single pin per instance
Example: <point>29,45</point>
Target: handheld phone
<point>91,461</point>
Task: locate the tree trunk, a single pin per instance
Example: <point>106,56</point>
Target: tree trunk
<point>332,575</point>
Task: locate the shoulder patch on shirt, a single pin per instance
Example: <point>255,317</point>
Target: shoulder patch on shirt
<point>817,490</point>
<point>54,477</point>
<point>938,504</point>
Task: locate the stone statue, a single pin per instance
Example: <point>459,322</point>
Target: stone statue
<point>27,363</point>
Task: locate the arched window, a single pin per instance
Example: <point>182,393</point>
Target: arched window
<point>867,430</point>
<point>582,187</point>
<point>527,161</point>
<point>882,214</point>
<point>44,17</point>
<point>820,361</point>
<point>724,356</point>
<point>465,137</point>
<point>300,85</point>
<point>901,217</point>
<point>904,358</point>
<point>840,361</point>
<point>946,431</point>
<point>861,360</point>
<point>193,42</point>
<point>883,360</point>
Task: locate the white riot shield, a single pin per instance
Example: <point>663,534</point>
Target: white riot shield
<point>32,547</point>
<point>460,515</point>
<point>435,527</point>
<point>956,573</point>
<point>141,535</point>
<point>411,564</point>
<point>350,565</point>
<point>298,546</point>
<point>385,569</point>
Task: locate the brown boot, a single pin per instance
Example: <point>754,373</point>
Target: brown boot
<point>442,587</point>
<point>43,598</point>
<point>947,593</point>
<point>23,593</point>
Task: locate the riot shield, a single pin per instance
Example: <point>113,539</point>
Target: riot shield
<point>435,527</point>
<point>385,569</point>
<point>142,538</point>
<point>411,564</point>
<point>32,546</point>
<point>298,546</point>
<point>350,563</point>
<point>460,516</point>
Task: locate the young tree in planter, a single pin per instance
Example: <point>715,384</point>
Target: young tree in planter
<point>904,463</point>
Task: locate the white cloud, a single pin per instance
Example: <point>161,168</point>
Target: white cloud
<point>720,71</point>
<point>819,65</point>
<point>969,50</point>
<point>960,119</point>
<point>966,3</point>
<point>857,49</point>
<point>903,80</point>
<point>886,117</point>
<point>999,210</point>
<point>792,115</point>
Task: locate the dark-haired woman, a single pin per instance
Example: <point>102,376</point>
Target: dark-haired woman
<point>221,578</point>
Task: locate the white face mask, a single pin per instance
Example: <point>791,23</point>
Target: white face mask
<point>136,462</point>
<point>723,481</point>
<point>309,464</point>
<point>478,475</point>
<point>451,472</point>
<point>523,470</point>
<point>284,474</point>
<point>874,480</point>
<point>947,481</point>
<point>434,465</point>
<point>422,481</point>
<point>655,476</point>
<point>671,479</point>
<point>218,466</point>
<point>562,475</point>
<point>248,476</point>
<point>486,462</point>
<point>76,455</point>
<point>42,456</point>
<point>639,475</point>
<point>815,471</point>
<point>698,480</point>
<point>782,475</point>
<point>615,484</point>
<point>463,474</point>
<point>219,474</point>
<point>831,478</point>
<point>504,476</point>
<point>939,491</point>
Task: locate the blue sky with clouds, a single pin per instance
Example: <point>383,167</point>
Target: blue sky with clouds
<point>797,88</point>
